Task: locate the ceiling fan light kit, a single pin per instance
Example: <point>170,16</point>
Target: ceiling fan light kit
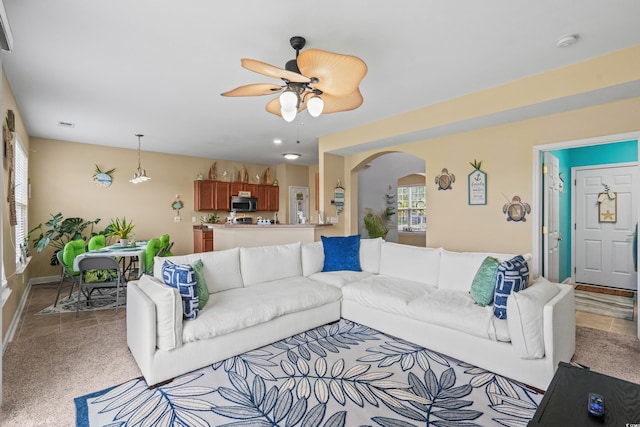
<point>333,85</point>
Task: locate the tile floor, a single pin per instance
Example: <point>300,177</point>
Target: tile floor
<point>42,296</point>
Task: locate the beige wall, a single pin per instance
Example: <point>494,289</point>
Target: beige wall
<point>17,282</point>
<point>506,151</point>
<point>61,181</point>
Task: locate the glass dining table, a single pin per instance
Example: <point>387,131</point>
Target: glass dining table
<point>125,254</point>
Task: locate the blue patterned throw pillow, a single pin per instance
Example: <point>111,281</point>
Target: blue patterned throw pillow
<point>341,253</point>
<point>183,278</point>
<point>513,276</point>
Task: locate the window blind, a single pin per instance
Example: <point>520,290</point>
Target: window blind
<point>21,186</point>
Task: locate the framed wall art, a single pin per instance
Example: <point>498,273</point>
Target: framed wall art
<point>477,185</point>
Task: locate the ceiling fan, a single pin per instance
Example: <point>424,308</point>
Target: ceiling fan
<point>320,81</point>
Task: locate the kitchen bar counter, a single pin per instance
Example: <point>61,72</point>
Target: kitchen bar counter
<point>227,236</point>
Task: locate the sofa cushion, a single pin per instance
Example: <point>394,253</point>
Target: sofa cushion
<point>483,286</point>
<point>455,310</point>
<point>525,317</point>
<point>201,283</point>
<point>182,277</point>
<point>410,262</point>
<point>221,268</point>
<point>237,309</point>
<point>312,258</point>
<point>340,278</point>
<point>386,293</point>
<point>168,311</point>
<point>341,253</point>
<point>513,276</point>
<point>269,263</point>
<point>370,254</point>
<point>458,269</point>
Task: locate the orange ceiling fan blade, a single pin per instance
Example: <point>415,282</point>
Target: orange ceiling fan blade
<point>337,74</point>
<point>334,104</point>
<point>273,71</point>
<point>255,89</point>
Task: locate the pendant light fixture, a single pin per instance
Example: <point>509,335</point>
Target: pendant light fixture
<point>140,175</point>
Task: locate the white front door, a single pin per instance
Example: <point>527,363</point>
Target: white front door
<point>298,204</point>
<point>551,185</point>
<point>604,240</point>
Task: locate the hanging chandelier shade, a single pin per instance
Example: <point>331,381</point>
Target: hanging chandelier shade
<point>140,175</point>
<point>321,82</point>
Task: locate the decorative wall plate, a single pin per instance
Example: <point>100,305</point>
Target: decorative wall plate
<point>102,180</point>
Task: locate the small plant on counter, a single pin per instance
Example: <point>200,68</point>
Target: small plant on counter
<point>211,218</point>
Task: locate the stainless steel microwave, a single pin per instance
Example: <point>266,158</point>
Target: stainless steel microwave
<point>244,204</point>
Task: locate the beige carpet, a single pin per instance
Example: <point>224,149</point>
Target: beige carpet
<point>42,376</point>
<point>609,353</point>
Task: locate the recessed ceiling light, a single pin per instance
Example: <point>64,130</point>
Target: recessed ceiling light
<point>568,40</point>
<point>66,124</point>
<point>291,156</point>
<point>277,141</point>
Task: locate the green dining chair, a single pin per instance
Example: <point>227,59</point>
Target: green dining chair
<point>97,242</point>
<point>153,247</point>
<point>66,256</point>
<point>165,245</point>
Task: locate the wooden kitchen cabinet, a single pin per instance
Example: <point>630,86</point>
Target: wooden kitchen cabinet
<point>215,195</point>
<point>273,198</point>
<point>202,240</point>
<point>211,195</point>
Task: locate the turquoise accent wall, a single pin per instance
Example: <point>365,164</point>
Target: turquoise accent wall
<point>617,152</point>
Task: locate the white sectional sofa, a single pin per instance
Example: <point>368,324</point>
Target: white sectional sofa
<point>264,294</point>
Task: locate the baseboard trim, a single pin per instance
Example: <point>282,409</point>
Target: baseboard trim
<point>44,279</point>
<point>16,319</point>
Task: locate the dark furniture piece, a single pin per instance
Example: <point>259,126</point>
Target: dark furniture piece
<point>565,402</point>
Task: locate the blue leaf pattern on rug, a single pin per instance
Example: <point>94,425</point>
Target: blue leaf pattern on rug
<point>328,376</point>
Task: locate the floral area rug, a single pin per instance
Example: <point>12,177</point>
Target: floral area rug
<point>100,300</point>
<point>342,374</point>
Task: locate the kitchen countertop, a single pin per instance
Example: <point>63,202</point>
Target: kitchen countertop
<point>262,227</point>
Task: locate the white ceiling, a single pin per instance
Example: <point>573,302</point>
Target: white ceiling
<point>119,67</point>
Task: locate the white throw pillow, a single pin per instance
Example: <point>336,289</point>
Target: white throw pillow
<point>168,311</point>
<point>312,258</point>
<point>524,317</point>
<point>267,263</point>
<point>410,262</point>
<point>370,255</point>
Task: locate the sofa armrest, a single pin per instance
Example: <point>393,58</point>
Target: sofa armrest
<point>559,326</point>
<point>141,326</point>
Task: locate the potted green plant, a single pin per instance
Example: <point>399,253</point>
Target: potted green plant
<point>211,218</point>
<point>121,229</point>
<point>59,231</point>
<point>378,224</point>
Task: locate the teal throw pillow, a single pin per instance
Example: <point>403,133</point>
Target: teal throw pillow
<point>341,253</point>
<point>201,283</point>
<point>483,286</point>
